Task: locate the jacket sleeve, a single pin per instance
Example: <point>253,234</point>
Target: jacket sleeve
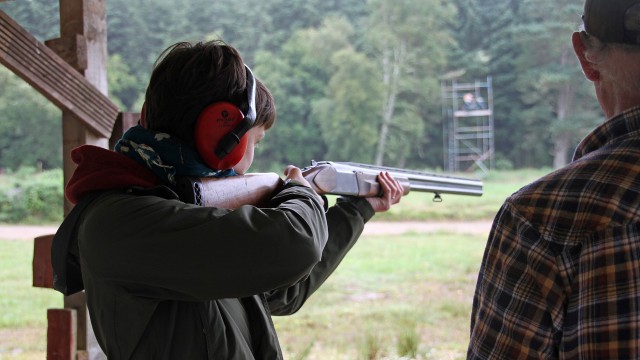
<point>166,249</point>
<point>346,222</point>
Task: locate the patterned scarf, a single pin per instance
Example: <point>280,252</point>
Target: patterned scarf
<point>167,156</point>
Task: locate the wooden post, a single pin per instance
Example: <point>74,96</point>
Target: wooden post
<point>61,334</point>
<point>123,123</point>
<point>83,44</point>
<point>42,270</point>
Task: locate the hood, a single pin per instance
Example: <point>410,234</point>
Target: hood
<point>98,170</point>
<point>101,169</point>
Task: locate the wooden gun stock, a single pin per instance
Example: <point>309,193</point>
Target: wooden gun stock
<point>325,177</point>
<point>230,192</point>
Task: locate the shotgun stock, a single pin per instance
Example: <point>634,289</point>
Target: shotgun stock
<point>325,177</point>
<point>230,192</point>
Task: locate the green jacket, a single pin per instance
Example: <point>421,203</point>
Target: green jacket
<point>170,280</point>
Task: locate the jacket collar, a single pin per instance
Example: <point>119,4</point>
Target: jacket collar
<point>619,127</point>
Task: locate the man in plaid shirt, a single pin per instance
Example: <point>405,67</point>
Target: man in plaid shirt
<point>560,278</point>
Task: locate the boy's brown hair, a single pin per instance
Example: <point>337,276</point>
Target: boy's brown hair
<point>188,77</point>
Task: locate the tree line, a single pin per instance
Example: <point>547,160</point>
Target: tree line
<point>354,80</point>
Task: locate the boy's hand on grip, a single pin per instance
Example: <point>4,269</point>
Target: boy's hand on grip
<point>294,173</point>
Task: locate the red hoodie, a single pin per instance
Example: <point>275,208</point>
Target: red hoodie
<point>102,169</point>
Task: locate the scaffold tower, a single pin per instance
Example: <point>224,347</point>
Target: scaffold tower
<point>467,110</point>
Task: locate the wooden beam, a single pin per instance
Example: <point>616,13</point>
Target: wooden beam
<point>61,334</point>
<point>42,269</point>
<point>54,78</point>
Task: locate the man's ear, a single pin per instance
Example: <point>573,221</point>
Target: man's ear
<point>588,68</point>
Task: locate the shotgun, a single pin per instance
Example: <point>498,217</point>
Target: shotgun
<point>326,177</point>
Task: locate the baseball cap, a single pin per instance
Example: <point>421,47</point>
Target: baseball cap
<point>613,21</point>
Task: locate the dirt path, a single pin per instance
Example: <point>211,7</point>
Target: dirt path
<point>25,232</point>
<point>29,232</point>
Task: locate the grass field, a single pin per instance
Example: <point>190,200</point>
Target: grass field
<point>394,297</point>
<point>23,308</point>
<point>413,288</point>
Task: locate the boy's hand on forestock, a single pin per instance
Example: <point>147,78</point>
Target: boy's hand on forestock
<point>392,192</point>
<point>294,173</point>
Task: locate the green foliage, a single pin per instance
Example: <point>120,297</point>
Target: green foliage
<point>27,196</point>
<point>408,61</point>
<point>308,52</point>
<point>348,117</point>
<point>541,95</point>
<point>299,77</point>
<point>123,85</point>
<point>40,17</point>
<point>30,126</point>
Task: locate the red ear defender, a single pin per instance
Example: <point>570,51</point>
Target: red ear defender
<point>214,122</point>
<point>220,131</point>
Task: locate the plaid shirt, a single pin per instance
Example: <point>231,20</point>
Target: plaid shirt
<point>560,277</point>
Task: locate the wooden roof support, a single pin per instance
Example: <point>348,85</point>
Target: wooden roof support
<point>55,79</point>
<point>83,35</point>
<point>72,74</point>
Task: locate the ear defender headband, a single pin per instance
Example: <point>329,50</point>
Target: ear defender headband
<point>221,128</point>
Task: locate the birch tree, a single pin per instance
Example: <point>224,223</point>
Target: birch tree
<point>408,41</point>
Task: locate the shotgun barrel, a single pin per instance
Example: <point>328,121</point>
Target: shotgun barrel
<point>354,179</point>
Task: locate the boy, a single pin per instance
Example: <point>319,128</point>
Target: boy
<point>166,279</point>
